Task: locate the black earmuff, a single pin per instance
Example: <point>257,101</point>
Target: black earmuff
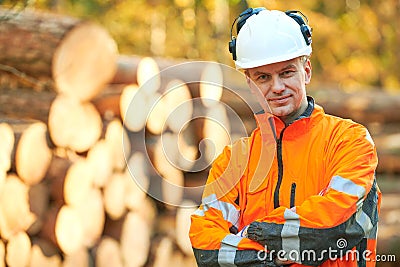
<point>241,20</point>
<point>305,29</point>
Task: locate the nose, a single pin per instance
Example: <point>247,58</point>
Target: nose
<point>277,85</point>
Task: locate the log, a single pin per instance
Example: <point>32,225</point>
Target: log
<point>182,225</point>
<point>148,75</point>
<point>15,214</point>
<point>18,250</point>
<point>212,87</point>
<point>6,144</point>
<point>107,102</point>
<point>69,230</point>
<point>216,132</point>
<point>163,253</point>
<point>2,254</point>
<point>79,258</point>
<point>136,105</point>
<point>74,125</point>
<point>39,259</point>
<point>128,66</point>
<point>108,253</point>
<point>179,105</point>
<point>363,107</point>
<point>180,260</point>
<point>155,114</point>
<point>23,103</point>
<point>114,196</point>
<point>3,176</point>
<point>100,157</point>
<point>126,72</point>
<point>30,137</point>
<point>92,217</point>
<point>52,51</point>
<point>135,240</point>
<point>78,182</point>
<point>117,137</point>
<point>33,156</point>
<point>137,181</point>
<point>172,178</point>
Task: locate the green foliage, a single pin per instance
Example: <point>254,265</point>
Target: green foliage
<point>355,43</point>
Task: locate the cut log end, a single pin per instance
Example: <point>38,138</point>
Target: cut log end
<point>85,61</point>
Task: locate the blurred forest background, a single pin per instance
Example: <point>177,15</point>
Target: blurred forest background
<point>355,42</point>
<point>355,61</point>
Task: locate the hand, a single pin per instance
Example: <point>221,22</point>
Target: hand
<point>257,231</point>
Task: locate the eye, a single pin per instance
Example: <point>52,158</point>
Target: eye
<point>287,73</point>
<point>262,77</point>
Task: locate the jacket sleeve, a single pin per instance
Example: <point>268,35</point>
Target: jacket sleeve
<point>215,224</point>
<point>343,215</point>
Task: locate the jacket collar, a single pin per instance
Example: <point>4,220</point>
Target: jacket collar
<point>312,115</point>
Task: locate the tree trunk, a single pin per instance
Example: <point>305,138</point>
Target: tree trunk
<point>50,51</point>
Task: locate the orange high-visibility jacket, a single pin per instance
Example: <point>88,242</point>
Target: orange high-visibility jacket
<point>318,204</point>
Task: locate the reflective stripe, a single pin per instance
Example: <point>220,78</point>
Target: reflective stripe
<point>232,240</point>
<point>199,212</point>
<point>290,236</point>
<point>374,232</point>
<point>364,221</point>
<point>290,215</point>
<point>368,137</point>
<point>347,186</point>
<point>227,252</point>
<point>229,212</point>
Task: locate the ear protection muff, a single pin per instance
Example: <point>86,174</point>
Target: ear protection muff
<point>294,14</point>
<point>304,28</point>
<point>241,20</point>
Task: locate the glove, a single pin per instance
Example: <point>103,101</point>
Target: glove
<point>257,231</point>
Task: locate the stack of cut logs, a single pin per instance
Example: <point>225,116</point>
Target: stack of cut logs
<point>67,197</point>
<point>72,112</point>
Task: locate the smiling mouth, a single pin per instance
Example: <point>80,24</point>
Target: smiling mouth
<point>280,99</point>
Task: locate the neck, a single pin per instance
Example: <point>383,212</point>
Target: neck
<point>293,116</point>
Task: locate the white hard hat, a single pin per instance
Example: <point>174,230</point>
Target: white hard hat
<point>272,36</point>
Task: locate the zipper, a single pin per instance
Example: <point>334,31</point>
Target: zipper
<point>280,169</point>
<point>292,195</point>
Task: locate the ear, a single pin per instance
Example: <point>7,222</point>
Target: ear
<point>248,80</point>
<point>308,71</point>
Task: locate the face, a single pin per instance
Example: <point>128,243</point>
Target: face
<point>283,86</point>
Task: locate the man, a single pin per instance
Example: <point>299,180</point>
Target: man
<point>318,202</point>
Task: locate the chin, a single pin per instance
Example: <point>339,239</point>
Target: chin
<point>279,112</point>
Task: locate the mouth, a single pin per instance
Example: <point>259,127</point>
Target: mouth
<point>279,99</point>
